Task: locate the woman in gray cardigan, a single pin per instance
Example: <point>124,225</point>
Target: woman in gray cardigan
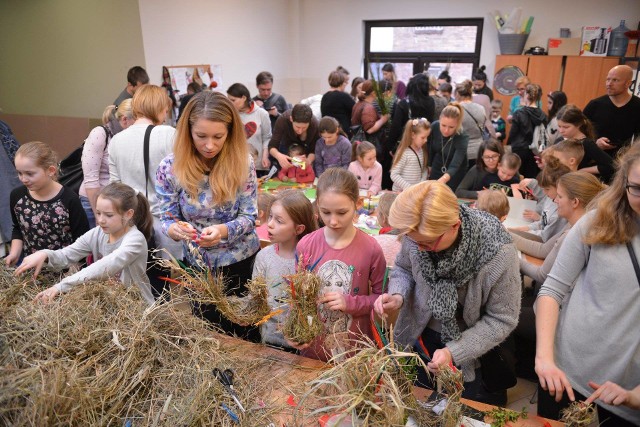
<point>590,343</point>
<point>455,285</point>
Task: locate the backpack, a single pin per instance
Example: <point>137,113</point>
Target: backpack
<point>70,168</point>
<point>540,139</point>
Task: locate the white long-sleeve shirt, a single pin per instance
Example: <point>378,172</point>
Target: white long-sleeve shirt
<point>125,260</point>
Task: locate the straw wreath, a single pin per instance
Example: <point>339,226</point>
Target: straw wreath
<point>578,414</point>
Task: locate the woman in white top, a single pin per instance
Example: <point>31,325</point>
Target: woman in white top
<point>257,125</point>
<point>473,121</point>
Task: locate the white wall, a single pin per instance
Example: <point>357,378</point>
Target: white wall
<point>301,41</point>
<point>244,36</point>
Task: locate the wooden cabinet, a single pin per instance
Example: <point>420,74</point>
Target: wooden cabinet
<point>584,78</point>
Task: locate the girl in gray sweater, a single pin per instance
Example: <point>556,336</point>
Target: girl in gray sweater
<point>118,245</point>
<point>589,307</point>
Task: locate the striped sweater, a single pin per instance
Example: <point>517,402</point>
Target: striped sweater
<point>410,169</point>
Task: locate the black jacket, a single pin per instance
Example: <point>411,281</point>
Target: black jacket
<point>422,108</point>
<point>524,121</point>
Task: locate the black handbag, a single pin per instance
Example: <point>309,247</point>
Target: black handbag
<point>70,172</point>
<point>498,367</point>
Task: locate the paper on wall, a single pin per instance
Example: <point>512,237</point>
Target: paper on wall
<point>180,79</point>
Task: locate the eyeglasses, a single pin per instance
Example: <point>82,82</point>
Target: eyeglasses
<point>428,246</point>
<point>495,157</point>
<point>520,89</point>
<point>633,190</point>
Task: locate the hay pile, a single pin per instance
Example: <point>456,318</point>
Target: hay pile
<point>99,356</point>
<point>302,324</point>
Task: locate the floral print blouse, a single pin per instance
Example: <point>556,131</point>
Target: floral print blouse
<point>238,215</point>
<point>50,224</point>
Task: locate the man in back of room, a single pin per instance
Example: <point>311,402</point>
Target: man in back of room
<point>274,103</point>
<point>615,115</point>
<point>136,77</point>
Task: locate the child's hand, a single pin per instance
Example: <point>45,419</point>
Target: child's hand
<point>531,215</point>
<point>265,160</point>
<point>210,236</point>
<point>334,301</point>
<point>35,260</point>
<point>47,295</point>
<point>11,259</point>
<point>181,230</point>
<point>297,346</point>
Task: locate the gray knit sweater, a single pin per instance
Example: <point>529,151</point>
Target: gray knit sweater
<point>491,304</point>
<point>597,337</point>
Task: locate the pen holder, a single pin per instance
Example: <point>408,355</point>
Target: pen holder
<point>512,44</point>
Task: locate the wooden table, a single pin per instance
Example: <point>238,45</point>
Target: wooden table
<point>533,260</point>
<point>290,372</point>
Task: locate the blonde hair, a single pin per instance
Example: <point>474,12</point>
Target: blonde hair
<point>582,186</point>
<point>428,207</point>
<point>511,161</point>
<point>41,154</point>
<point>454,111</point>
<point>412,127</point>
<point>108,114</point>
<point>150,101</point>
<point>265,200</point>
<point>228,170</point>
<point>124,109</point>
<point>571,147</point>
<point>524,80</point>
<point>615,221</point>
<point>494,202</point>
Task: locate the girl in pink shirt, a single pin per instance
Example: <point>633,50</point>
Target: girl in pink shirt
<point>351,266</point>
<point>365,167</point>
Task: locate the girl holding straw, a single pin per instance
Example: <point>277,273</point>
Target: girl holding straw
<point>350,263</point>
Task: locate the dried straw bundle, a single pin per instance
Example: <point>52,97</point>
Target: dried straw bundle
<point>211,288</point>
<point>99,356</point>
<point>302,324</point>
<point>373,387</point>
<point>578,414</point>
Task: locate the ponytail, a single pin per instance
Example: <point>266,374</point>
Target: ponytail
<point>454,111</point>
<point>142,218</point>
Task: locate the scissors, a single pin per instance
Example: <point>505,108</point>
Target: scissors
<point>226,378</point>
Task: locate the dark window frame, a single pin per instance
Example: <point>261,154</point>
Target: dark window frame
<point>421,60</point>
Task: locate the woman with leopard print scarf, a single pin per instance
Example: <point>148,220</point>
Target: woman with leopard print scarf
<point>456,285</point>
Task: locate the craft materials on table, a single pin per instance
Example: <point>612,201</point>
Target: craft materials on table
<point>273,186</point>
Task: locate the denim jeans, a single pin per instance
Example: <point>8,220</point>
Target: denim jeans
<point>87,209</point>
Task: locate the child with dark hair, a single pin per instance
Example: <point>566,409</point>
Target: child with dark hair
<point>118,245</point>
<point>506,174</point>
<point>333,149</point>
<point>300,171</point>
<point>480,83</point>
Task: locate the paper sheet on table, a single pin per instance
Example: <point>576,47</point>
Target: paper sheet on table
<point>516,209</point>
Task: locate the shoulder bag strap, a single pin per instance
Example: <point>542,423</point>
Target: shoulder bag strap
<point>109,135</point>
<point>473,117</point>
<point>417,157</point>
<point>634,260</point>
<point>147,136</point>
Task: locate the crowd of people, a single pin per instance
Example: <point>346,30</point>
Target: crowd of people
<point>455,290</point>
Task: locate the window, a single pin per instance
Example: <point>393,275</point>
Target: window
<point>431,45</point>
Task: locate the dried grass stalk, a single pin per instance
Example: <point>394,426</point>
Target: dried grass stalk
<point>302,324</point>
<point>578,414</point>
<point>212,288</point>
<point>372,387</point>
<point>99,356</point>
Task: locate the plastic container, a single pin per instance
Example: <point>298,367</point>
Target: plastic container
<point>618,42</point>
<point>512,44</point>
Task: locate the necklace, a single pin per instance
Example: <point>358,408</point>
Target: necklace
<point>443,169</point>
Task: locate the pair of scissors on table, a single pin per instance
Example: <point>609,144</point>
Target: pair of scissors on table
<point>226,378</point>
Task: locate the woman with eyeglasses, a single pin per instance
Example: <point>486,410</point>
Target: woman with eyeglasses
<point>455,287</point>
<point>590,348</point>
<point>518,101</point>
<point>487,160</point>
